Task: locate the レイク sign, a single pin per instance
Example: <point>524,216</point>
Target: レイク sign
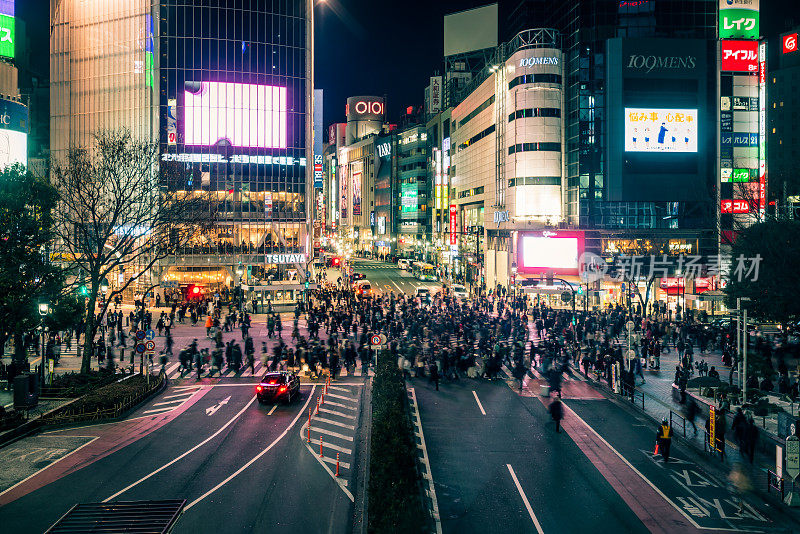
<point>739,56</point>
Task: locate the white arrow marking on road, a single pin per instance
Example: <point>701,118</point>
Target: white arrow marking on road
<point>211,410</point>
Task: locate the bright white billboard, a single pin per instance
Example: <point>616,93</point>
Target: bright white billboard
<point>660,130</point>
<point>13,148</point>
<point>549,252</point>
<point>247,115</point>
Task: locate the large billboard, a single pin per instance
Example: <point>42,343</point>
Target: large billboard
<point>738,19</point>
<point>660,130</point>
<point>357,193</point>
<point>244,115</point>
<point>13,133</point>
<point>470,30</point>
<point>8,29</point>
<point>557,251</point>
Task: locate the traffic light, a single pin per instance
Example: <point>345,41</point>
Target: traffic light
<point>83,291</point>
<point>306,284</point>
<point>580,290</point>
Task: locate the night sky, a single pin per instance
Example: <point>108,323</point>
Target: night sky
<point>366,47</point>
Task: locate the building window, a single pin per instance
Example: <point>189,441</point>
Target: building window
<point>534,78</point>
<point>534,147</point>
<point>534,112</point>
<point>475,111</point>
<point>475,138</point>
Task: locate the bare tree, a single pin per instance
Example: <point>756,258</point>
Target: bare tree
<point>118,210</point>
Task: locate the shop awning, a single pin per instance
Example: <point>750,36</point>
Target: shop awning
<point>707,296</point>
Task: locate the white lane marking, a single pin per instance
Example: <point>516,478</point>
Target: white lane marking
<point>426,462</point>
<point>184,388</point>
<point>9,405</point>
<point>395,285</point>
<point>159,410</point>
<point>333,446</point>
<point>334,423</point>
<point>345,465</point>
<point>179,401</point>
<point>185,395</point>
<point>185,454</point>
<point>338,414</point>
<point>525,500</point>
<point>342,397</point>
<point>330,433</point>
<point>272,410</point>
<point>302,412</point>
<point>339,405</point>
<point>51,465</point>
<point>337,388</point>
<point>474,394</point>
<point>607,444</point>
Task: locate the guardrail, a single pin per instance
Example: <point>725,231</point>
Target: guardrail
<point>774,482</point>
<point>633,394</point>
<point>675,417</point>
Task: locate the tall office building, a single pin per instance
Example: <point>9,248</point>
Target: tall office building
<point>223,88</point>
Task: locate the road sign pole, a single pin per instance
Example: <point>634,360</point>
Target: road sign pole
<point>792,468</point>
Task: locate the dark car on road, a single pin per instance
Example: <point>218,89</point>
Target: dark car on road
<point>358,276</point>
<point>278,386</point>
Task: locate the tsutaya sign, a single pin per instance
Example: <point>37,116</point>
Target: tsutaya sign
<point>532,61</point>
<point>285,258</point>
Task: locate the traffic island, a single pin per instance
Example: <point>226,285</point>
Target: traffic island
<point>394,502</point>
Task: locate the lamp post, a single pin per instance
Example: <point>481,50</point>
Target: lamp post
<point>44,309</point>
<point>743,311</point>
<point>240,272</point>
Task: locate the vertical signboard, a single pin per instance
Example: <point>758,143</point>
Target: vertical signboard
<point>172,122</point>
<point>357,193</point>
<point>435,102</point>
<point>8,29</point>
<point>318,171</point>
<point>453,223</point>
<point>762,128</point>
<point>343,197</point>
<point>738,19</point>
<point>437,170</point>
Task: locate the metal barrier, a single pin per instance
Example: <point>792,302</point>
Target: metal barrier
<point>677,417</point>
<point>633,395</point>
<point>708,448</point>
<point>775,482</point>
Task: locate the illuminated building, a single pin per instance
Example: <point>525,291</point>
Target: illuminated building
<point>224,92</point>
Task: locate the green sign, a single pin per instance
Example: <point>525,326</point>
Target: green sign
<point>8,36</point>
<point>738,24</point>
<point>740,175</point>
<point>409,198</point>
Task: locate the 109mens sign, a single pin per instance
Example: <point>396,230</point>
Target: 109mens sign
<point>648,63</point>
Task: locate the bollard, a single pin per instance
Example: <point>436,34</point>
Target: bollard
<point>337,464</point>
<point>317,412</point>
<point>320,446</point>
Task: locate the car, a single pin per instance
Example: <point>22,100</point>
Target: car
<point>278,386</point>
<point>423,294</point>
<point>362,288</point>
<point>333,261</point>
<point>459,291</point>
<point>404,264</point>
<point>358,276</point>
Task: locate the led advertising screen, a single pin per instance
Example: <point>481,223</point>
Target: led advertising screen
<point>557,251</point>
<point>246,115</point>
<point>13,133</point>
<point>660,130</point>
<point>8,29</point>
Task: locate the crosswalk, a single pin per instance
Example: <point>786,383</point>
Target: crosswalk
<point>330,431</point>
<point>173,371</point>
<point>174,400</point>
<point>371,264</point>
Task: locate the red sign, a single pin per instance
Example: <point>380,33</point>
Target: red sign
<point>702,285</point>
<point>735,206</point>
<point>790,43</point>
<point>739,56</point>
<point>453,223</point>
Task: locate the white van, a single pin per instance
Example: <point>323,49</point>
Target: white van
<point>404,264</point>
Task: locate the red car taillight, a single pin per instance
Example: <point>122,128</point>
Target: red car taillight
<point>259,389</point>
<point>282,389</point>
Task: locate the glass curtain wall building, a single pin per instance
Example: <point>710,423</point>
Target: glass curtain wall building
<point>221,86</point>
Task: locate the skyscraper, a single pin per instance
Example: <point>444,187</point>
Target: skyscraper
<point>222,87</point>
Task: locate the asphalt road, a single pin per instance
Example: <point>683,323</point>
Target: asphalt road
<point>470,453</point>
<point>241,468</point>
<point>386,277</point>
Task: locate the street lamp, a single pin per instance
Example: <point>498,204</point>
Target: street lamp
<point>44,309</point>
<point>743,312</point>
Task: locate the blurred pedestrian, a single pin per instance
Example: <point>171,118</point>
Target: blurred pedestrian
<point>556,413</point>
<point>664,439</point>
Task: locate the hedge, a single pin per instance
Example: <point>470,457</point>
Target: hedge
<point>395,504</point>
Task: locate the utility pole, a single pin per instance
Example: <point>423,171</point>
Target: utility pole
<point>743,311</point>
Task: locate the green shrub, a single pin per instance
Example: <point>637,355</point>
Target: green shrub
<point>703,381</point>
<point>395,504</point>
